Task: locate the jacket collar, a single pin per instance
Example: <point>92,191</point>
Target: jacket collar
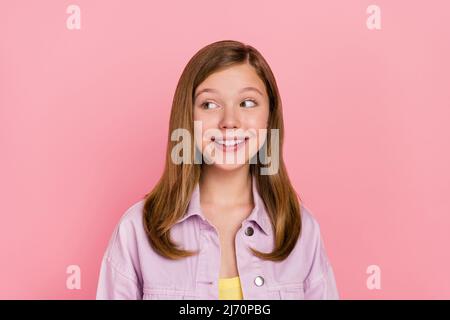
<point>259,213</point>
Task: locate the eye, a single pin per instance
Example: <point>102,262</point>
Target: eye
<point>206,105</point>
<point>250,105</point>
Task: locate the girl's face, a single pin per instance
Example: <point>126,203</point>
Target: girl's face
<point>232,107</point>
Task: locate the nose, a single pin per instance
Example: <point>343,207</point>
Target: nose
<point>230,118</point>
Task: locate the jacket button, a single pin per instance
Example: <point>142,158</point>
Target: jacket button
<point>259,281</point>
<point>249,231</point>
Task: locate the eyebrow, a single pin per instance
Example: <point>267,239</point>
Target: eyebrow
<point>216,91</point>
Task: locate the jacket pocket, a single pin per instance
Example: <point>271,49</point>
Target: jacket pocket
<point>167,294</point>
<point>291,291</point>
<point>292,294</point>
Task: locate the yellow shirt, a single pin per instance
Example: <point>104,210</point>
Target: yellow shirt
<point>230,289</point>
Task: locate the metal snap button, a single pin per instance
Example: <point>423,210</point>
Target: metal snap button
<point>249,231</point>
<point>259,281</point>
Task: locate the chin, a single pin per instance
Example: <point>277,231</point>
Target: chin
<point>229,167</point>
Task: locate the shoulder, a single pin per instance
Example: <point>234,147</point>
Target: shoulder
<point>120,273</point>
<point>128,233</point>
<point>132,217</point>
<point>310,241</point>
<point>319,278</point>
<point>310,225</point>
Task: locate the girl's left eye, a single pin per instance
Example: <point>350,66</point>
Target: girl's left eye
<point>252,103</point>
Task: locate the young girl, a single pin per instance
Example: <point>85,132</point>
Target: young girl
<point>224,221</point>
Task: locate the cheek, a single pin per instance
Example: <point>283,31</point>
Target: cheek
<point>257,119</point>
<point>257,122</point>
<point>205,121</point>
<point>203,128</point>
<point>208,118</point>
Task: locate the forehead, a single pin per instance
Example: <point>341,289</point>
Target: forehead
<point>232,79</point>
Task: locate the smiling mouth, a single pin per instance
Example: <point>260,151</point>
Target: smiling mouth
<point>230,145</point>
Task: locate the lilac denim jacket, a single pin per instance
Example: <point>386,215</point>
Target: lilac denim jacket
<point>130,269</point>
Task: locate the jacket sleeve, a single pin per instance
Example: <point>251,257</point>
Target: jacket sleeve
<point>320,283</point>
<point>118,278</point>
<point>114,285</point>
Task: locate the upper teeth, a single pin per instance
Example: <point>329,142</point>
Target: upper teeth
<point>229,142</point>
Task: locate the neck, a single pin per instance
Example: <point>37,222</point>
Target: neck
<point>226,188</point>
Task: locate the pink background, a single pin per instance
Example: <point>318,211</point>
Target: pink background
<point>84,119</point>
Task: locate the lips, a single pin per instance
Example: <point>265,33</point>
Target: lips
<point>230,144</point>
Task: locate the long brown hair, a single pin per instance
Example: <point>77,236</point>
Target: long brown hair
<point>169,199</point>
